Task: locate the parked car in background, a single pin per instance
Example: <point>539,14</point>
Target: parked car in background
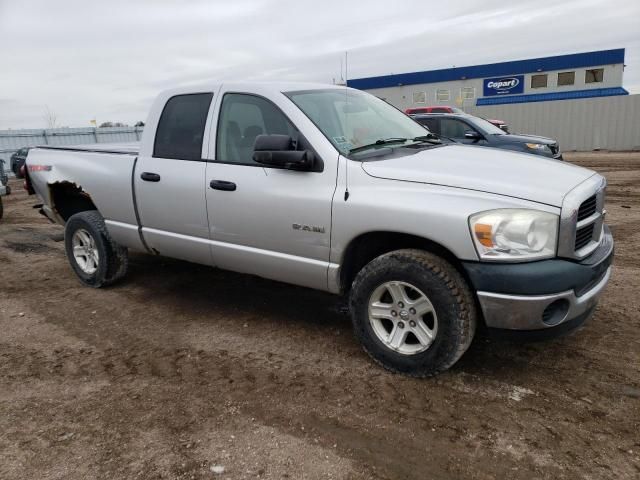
<point>472,130</point>
<point>17,161</point>
<point>501,124</point>
<point>435,109</point>
<point>4,188</point>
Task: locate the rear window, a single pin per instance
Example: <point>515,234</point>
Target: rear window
<point>181,127</point>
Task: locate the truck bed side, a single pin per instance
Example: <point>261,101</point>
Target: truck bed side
<point>69,179</point>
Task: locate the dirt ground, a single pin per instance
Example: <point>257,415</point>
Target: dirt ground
<point>182,368</point>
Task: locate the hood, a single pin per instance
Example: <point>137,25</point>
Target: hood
<point>530,177</point>
<point>518,138</point>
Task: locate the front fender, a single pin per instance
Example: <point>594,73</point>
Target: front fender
<point>436,213</point>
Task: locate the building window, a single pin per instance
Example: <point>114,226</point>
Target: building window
<point>442,95</point>
<point>539,81</point>
<point>419,97</point>
<point>595,75</point>
<point>468,93</point>
<point>566,78</point>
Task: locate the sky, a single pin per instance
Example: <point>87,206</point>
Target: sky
<point>107,60</point>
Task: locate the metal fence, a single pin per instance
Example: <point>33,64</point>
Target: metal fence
<point>13,140</point>
<point>606,123</point>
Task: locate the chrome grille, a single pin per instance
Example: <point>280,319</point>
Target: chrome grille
<point>584,236</point>
<point>587,208</point>
<point>581,219</point>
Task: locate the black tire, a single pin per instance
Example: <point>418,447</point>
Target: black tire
<point>113,260</point>
<point>447,292</point>
<point>17,171</point>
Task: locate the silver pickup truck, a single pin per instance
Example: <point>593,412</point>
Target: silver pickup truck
<point>333,189</point>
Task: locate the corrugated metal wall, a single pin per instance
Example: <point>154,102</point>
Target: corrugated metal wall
<point>13,140</point>
<point>607,123</point>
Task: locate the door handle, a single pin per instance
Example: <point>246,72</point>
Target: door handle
<point>150,177</point>
<point>222,185</point>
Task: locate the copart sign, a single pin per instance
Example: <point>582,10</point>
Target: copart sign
<point>503,85</point>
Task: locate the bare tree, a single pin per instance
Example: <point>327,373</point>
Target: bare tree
<point>50,117</point>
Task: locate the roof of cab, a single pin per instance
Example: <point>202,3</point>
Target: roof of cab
<point>249,87</point>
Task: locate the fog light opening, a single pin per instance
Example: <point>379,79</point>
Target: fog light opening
<point>555,312</point>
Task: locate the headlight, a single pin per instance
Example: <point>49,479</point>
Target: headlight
<point>513,234</point>
<point>536,146</point>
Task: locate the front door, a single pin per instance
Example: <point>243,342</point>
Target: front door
<point>170,184</point>
<point>271,222</point>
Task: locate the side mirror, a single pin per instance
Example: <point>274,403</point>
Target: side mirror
<point>279,151</point>
<point>472,135</point>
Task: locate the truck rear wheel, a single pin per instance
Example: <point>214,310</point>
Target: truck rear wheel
<point>96,259</point>
<point>413,312</point>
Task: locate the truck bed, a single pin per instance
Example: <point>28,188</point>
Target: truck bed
<point>103,171</point>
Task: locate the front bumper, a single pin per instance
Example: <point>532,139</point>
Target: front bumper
<point>542,295</point>
<point>533,312</point>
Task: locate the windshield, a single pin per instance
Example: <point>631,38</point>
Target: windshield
<point>351,119</point>
<point>488,127</point>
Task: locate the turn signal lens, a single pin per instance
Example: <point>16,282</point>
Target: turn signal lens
<point>483,234</point>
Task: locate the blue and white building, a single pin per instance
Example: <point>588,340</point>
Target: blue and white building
<point>562,77</point>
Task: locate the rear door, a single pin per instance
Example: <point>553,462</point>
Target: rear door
<point>170,182</point>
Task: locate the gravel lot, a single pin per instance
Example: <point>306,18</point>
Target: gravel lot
<point>181,370</point>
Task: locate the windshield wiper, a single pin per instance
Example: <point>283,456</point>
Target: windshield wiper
<point>429,138</point>
<point>382,141</point>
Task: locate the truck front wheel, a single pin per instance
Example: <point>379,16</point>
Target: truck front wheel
<point>413,312</point>
<point>96,259</point>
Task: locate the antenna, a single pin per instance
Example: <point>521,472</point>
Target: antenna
<point>346,117</point>
<point>346,67</point>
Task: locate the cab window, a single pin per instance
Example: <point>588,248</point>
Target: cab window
<point>242,118</point>
<point>181,127</point>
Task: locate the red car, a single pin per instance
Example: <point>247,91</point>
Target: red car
<point>501,124</point>
<point>437,109</point>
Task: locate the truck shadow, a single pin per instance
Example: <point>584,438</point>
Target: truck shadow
<point>191,290</point>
